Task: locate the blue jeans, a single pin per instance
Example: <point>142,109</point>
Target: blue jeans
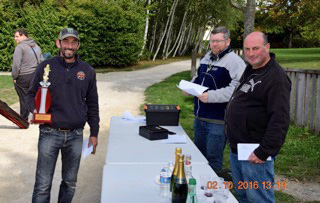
<point>245,174</point>
<point>211,141</point>
<point>51,141</point>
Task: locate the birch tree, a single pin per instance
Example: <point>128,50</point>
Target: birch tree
<point>146,29</point>
<point>165,29</point>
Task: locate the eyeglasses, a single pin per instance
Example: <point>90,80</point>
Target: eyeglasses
<point>217,41</point>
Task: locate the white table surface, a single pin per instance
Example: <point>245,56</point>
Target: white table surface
<point>126,146</point>
<point>135,183</point>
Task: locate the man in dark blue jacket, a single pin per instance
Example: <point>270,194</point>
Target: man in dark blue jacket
<point>258,113</point>
<point>220,71</point>
<point>74,101</point>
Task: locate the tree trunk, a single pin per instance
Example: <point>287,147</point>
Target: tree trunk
<point>249,16</point>
<point>145,30</point>
<point>179,44</point>
<point>290,40</point>
<point>187,43</point>
<point>248,13</point>
<point>165,30</point>
<point>168,35</point>
<point>153,36</point>
<point>179,34</point>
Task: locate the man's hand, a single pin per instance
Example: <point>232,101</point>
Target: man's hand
<point>31,120</point>
<point>185,93</point>
<point>93,141</point>
<point>254,159</point>
<point>14,81</point>
<point>204,97</point>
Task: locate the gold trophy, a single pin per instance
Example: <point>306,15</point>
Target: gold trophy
<point>43,100</point>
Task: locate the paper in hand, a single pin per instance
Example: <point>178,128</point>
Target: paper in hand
<point>191,88</point>
<point>245,149</point>
<point>85,149</point>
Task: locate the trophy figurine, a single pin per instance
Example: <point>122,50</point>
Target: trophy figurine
<point>43,100</point>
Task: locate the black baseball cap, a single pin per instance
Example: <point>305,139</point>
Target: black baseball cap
<point>68,32</point>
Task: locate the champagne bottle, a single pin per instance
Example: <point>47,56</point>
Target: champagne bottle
<point>180,187</point>
<point>175,170</point>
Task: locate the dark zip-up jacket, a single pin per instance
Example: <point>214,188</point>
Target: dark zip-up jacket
<point>258,111</point>
<point>74,97</point>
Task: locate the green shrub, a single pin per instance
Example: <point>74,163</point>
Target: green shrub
<point>111,32</point>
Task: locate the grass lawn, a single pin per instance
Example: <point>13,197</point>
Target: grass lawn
<point>7,91</point>
<point>299,158</point>
<point>306,58</point>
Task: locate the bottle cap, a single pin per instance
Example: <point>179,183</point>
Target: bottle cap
<point>192,181</point>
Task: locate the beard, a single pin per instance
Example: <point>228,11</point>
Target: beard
<point>68,53</point>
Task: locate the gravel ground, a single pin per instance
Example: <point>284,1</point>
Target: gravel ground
<point>304,191</point>
<point>118,91</point>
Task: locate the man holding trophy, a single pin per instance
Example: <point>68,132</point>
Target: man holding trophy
<point>63,97</point>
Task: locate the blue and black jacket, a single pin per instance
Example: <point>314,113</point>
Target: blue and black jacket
<point>220,73</point>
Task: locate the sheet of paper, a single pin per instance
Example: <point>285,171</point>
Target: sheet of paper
<point>245,149</point>
<point>175,139</point>
<point>127,115</point>
<point>191,88</point>
<point>85,149</point>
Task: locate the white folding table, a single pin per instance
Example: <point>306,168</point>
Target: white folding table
<point>135,183</point>
<point>126,146</point>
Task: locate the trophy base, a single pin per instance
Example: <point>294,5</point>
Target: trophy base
<point>41,118</point>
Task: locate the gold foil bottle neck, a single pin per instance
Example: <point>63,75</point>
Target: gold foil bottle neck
<point>178,150</point>
<point>181,174</point>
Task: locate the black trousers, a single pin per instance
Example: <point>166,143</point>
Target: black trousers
<point>22,85</point>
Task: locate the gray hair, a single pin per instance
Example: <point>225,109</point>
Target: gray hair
<point>221,29</point>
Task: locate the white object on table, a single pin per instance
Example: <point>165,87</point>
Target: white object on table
<point>175,139</point>
<point>127,115</point>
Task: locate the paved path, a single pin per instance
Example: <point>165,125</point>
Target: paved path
<point>118,91</point>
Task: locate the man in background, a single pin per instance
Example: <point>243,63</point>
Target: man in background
<point>27,55</point>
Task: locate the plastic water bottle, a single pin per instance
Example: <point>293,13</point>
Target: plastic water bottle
<point>165,177</point>
<point>171,167</point>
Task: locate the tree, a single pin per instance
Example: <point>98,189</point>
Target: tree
<point>293,19</point>
<point>177,27</point>
<point>248,10</point>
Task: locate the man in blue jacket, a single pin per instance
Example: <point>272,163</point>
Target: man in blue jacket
<point>74,101</point>
<point>220,71</point>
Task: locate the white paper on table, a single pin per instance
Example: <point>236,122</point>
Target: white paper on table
<point>245,149</point>
<point>85,149</point>
<point>127,115</point>
<point>175,139</point>
<point>191,88</point>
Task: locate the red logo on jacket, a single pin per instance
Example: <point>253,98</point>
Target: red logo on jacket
<point>81,75</point>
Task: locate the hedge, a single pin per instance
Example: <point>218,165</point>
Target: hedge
<point>111,32</point>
